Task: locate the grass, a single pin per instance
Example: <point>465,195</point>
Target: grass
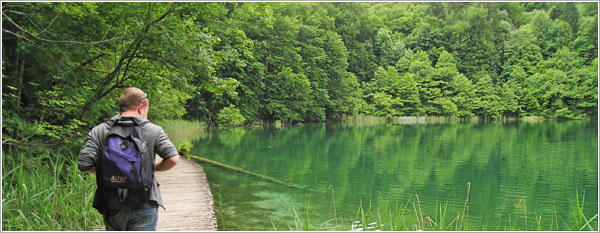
<point>581,222</point>
<point>46,193</point>
<point>178,127</point>
<point>407,119</point>
<point>182,130</point>
<point>410,216</point>
<point>432,119</point>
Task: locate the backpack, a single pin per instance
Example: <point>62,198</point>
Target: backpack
<point>118,170</point>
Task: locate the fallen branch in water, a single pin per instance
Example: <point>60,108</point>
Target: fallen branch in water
<point>237,169</point>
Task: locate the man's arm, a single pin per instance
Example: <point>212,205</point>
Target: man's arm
<point>91,171</point>
<point>86,160</point>
<point>167,164</point>
<point>165,149</point>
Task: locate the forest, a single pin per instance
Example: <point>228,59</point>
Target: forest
<point>65,63</point>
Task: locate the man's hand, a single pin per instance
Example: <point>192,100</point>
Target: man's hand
<point>167,164</point>
<point>91,171</point>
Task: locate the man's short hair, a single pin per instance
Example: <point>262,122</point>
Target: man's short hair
<point>130,99</point>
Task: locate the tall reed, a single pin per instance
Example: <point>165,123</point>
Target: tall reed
<point>46,193</point>
<point>434,119</point>
<point>182,130</point>
<point>393,216</point>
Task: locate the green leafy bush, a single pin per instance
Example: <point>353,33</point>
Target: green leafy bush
<point>230,116</point>
<point>185,147</point>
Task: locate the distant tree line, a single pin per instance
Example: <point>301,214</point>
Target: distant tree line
<point>65,63</point>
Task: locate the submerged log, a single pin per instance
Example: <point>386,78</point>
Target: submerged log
<point>241,170</point>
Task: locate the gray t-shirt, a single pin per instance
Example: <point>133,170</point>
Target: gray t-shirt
<point>155,140</point>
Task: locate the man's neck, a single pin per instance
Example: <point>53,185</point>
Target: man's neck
<point>130,114</point>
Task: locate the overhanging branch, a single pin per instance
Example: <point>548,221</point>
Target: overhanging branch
<point>58,41</point>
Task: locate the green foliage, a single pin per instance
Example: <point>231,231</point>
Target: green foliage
<point>46,193</point>
<point>487,104</point>
<point>230,116</point>
<point>184,147</point>
<point>66,63</point>
<point>521,50</point>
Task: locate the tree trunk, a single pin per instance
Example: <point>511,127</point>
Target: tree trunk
<point>20,72</point>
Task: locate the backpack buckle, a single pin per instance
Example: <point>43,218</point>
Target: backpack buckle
<point>122,194</point>
<point>124,145</point>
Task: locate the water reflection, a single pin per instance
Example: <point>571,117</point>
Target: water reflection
<point>509,165</point>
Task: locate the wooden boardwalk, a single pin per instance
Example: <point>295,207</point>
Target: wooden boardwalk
<point>187,198</point>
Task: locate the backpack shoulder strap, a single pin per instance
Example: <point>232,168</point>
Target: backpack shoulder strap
<point>110,123</point>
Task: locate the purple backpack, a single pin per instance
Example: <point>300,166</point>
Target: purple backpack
<point>120,170</point>
<point>121,160</point>
<point>120,173</point>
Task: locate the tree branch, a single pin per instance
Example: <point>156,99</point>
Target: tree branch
<point>98,71</point>
<point>19,13</point>
<point>144,33</point>
<point>109,27</point>
<point>58,41</point>
<point>127,58</point>
<point>40,47</point>
<point>50,25</point>
<point>166,13</point>
<point>92,60</point>
<point>33,23</point>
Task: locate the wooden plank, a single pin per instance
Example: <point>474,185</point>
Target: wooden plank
<point>188,199</point>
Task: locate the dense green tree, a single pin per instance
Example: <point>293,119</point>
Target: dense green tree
<point>420,66</point>
<point>475,35</point>
<point>397,93</point>
<point>454,86</point>
<point>385,105</point>
<point>428,35</point>
<point>343,86</point>
<point>521,50</point>
<point>515,13</point>
<point>233,56</point>
<point>356,29</point>
<point>509,101</point>
<point>487,104</point>
<point>65,57</point>
<point>567,12</point>
<point>286,88</point>
<point>551,35</point>
<point>295,61</point>
<point>255,20</point>
<point>586,41</point>
<point>230,116</point>
<point>380,92</point>
<point>388,47</point>
<point>563,85</point>
<point>409,95</point>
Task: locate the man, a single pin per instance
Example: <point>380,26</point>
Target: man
<point>142,216</point>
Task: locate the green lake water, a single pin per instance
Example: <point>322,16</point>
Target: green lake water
<point>539,168</point>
